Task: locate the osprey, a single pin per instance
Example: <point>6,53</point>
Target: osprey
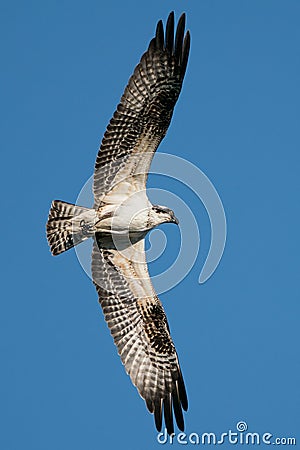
<point>122,216</point>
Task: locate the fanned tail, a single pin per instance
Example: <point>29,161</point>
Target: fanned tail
<point>68,225</point>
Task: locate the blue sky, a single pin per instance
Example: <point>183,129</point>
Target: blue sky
<point>64,66</point>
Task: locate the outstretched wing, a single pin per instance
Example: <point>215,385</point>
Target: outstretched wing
<point>145,111</point>
<point>139,326</point>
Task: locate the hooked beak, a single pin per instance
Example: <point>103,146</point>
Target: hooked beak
<point>175,220</point>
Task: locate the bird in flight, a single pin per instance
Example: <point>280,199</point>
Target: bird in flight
<point>122,216</point>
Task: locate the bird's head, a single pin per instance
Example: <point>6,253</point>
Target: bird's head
<point>162,214</point>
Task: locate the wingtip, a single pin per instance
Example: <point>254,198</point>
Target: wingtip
<point>158,415</point>
<point>170,32</point>
<point>179,36</point>
<point>168,414</point>
<point>178,409</point>
<point>152,45</point>
<point>159,35</point>
<point>171,16</point>
<point>149,404</point>
<point>175,42</point>
<point>182,392</point>
<point>185,52</point>
<point>182,17</point>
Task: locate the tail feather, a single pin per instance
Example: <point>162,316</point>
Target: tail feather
<point>68,225</point>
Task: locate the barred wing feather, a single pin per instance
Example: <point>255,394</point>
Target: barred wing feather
<point>145,111</point>
<point>140,330</point>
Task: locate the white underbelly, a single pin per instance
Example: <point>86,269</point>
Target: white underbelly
<point>131,215</point>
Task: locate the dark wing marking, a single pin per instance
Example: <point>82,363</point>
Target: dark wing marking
<point>138,324</point>
<point>145,111</point>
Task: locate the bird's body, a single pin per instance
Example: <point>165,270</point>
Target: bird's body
<point>122,216</point>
